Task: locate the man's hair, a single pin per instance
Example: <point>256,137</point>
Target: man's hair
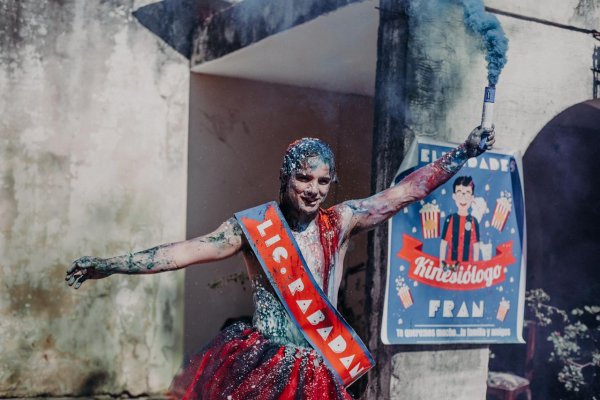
<point>463,181</point>
<point>299,151</point>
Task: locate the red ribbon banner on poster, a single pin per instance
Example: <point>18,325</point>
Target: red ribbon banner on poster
<point>463,276</point>
<point>322,326</point>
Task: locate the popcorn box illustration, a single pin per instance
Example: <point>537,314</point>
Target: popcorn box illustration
<point>405,296</point>
<point>404,292</point>
<point>430,220</point>
<point>501,212</point>
<point>502,309</point>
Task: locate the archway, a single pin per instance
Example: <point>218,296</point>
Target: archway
<point>562,197</point>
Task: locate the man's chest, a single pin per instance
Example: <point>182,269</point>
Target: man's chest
<point>312,251</point>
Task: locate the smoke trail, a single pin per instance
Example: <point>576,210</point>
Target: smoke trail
<point>487,25</point>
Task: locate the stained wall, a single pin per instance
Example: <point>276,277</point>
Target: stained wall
<point>93,161</point>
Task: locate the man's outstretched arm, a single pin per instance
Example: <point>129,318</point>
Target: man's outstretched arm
<point>224,242</point>
<point>369,212</point>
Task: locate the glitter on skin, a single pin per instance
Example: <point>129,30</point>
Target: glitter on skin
<point>270,360</point>
<point>273,321</point>
<point>369,212</point>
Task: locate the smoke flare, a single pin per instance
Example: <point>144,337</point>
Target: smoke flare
<point>487,25</point>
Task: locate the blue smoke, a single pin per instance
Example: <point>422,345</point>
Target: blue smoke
<point>487,25</point>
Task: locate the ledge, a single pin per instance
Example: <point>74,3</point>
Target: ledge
<point>253,20</point>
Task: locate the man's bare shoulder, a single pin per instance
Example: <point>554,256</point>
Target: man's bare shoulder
<point>233,225</point>
<point>345,216</point>
<point>228,234</point>
<point>234,229</point>
<point>343,210</point>
<point>358,214</point>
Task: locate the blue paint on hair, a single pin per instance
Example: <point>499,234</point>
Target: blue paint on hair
<point>298,152</point>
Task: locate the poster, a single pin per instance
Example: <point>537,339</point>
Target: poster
<point>456,261</point>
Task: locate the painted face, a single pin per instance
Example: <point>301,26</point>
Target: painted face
<point>308,186</point>
<point>463,197</point>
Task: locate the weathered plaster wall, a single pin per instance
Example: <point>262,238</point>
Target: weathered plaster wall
<point>92,162</point>
<point>442,376</point>
<point>548,71</point>
<point>239,131</point>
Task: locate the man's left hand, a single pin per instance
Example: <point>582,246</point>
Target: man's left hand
<point>473,143</point>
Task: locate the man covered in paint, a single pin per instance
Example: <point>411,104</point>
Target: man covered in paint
<point>270,359</point>
<point>461,230</point>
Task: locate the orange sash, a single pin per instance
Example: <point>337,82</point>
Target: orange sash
<point>323,327</point>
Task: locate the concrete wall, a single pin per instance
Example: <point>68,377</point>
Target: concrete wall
<point>440,375</point>
<point>548,71</point>
<point>239,131</point>
<point>92,162</point>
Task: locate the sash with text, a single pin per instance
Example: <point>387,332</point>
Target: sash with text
<point>323,327</point>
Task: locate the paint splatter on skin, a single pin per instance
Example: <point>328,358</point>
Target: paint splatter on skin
<point>273,321</point>
<point>147,261</point>
<point>301,151</point>
<point>322,235</point>
<point>226,239</point>
<point>311,248</point>
<point>321,239</point>
<point>369,212</point>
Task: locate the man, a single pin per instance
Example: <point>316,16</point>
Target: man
<point>461,230</point>
<point>271,359</point>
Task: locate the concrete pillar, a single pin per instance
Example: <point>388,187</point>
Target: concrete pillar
<point>416,77</point>
<point>388,150</point>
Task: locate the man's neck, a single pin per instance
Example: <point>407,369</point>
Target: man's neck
<point>297,220</point>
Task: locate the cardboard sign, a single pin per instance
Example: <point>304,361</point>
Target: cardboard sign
<point>456,263</point>
<point>283,263</point>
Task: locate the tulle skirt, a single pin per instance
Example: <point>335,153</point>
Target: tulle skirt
<point>241,364</point>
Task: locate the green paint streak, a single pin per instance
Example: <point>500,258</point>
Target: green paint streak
<point>218,238</point>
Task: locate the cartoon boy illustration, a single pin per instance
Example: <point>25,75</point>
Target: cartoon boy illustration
<point>461,231</point>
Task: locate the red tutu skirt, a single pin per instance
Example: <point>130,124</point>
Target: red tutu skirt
<point>242,364</point>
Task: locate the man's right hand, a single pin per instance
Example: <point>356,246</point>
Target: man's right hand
<point>85,268</point>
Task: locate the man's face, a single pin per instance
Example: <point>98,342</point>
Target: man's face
<point>463,197</point>
<point>308,186</point>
